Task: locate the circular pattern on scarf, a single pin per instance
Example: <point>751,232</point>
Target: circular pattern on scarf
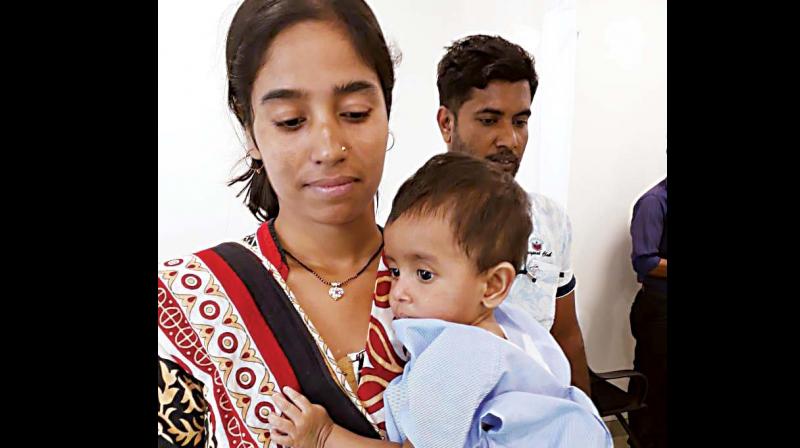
<point>245,377</point>
<point>263,410</point>
<point>227,342</point>
<point>174,262</point>
<point>191,281</point>
<point>209,309</point>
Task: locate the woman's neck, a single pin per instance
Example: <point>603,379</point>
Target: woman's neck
<point>332,248</point>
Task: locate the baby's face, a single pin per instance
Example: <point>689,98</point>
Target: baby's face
<point>432,277</point>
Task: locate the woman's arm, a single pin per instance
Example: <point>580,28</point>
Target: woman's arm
<point>307,425</point>
<point>340,437</point>
<point>182,409</point>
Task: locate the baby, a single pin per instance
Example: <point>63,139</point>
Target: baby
<point>480,372</point>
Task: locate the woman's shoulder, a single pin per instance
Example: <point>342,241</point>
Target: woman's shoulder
<point>190,267</point>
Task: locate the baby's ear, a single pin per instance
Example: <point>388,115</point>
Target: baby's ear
<point>498,280</point>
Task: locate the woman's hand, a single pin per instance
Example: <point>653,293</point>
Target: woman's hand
<point>302,424</point>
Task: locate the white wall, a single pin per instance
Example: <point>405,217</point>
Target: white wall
<point>616,148</point>
<point>197,142</point>
<point>618,152</point>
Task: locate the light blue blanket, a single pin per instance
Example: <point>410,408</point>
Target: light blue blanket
<point>465,387</point>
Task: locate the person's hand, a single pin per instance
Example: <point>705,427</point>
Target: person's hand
<point>302,424</point>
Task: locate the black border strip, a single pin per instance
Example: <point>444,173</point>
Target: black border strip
<point>294,339</point>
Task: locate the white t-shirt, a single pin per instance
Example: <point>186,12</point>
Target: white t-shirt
<point>549,264</point>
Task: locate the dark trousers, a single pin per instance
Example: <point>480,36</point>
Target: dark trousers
<point>649,328</point>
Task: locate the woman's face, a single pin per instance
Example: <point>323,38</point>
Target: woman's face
<point>312,96</point>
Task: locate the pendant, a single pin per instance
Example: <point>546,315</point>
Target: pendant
<point>336,292</point>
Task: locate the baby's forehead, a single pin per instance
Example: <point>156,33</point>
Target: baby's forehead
<point>415,229</point>
<point>422,237</point>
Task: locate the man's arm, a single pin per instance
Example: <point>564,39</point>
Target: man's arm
<point>647,226</point>
<point>565,329</point>
<point>567,333</point>
<point>660,270</point>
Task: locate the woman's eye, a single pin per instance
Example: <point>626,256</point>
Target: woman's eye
<point>394,272</point>
<point>290,124</point>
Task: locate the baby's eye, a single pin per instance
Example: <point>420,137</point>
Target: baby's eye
<point>424,275</point>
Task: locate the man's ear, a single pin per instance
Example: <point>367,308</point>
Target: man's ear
<point>446,122</point>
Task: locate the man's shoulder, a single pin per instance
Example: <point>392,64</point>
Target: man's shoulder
<point>654,199</point>
<point>657,191</point>
<point>545,205</point>
<point>549,217</point>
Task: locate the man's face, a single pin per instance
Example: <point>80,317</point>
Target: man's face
<point>492,124</point>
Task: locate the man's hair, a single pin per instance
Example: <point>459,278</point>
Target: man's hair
<point>476,60</point>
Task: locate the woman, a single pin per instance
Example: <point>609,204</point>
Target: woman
<point>311,83</point>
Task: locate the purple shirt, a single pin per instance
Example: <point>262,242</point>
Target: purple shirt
<point>649,236</point>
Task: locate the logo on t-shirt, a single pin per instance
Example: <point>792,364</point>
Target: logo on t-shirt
<point>537,248</point>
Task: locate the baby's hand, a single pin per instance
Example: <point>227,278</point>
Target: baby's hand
<point>302,424</point>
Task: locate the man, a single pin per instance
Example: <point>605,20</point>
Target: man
<point>649,312</point>
<point>486,87</point>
